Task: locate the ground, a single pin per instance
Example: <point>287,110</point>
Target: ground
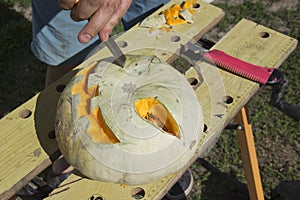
<point>220,175</point>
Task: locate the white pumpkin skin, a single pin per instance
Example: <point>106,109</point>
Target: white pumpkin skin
<point>145,153</point>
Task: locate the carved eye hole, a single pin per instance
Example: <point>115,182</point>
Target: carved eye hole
<point>153,111</point>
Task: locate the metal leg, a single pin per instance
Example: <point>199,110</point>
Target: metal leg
<point>247,147</point>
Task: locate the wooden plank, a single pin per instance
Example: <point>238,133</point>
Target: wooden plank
<point>221,96</point>
<point>26,149</point>
<point>25,146</point>
<point>14,144</point>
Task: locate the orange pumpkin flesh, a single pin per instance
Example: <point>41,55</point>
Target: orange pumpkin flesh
<point>152,110</point>
<point>172,15</point>
<point>97,129</point>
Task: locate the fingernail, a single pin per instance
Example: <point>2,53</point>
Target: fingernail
<point>84,38</point>
<point>106,36</point>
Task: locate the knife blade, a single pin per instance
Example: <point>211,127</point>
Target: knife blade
<point>117,53</point>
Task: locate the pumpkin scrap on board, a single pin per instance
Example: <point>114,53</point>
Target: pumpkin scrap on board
<point>128,125</point>
<point>177,14</point>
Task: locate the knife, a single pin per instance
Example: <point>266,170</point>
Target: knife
<point>114,48</point>
<point>262,75</point>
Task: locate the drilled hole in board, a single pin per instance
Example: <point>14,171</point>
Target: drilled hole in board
<point>264,34</point>
<point>25,113</point>
<point>205,128</point>
<point>175,38</point>
<point>193,81</point>
<point>96,197</point>
<point>227,99</point>
<point>138,193</point>
<point>60,87</point>
<point>122,44</point>
<point>51,135</point>
<point>196,6</point>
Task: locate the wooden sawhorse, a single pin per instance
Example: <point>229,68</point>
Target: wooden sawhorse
<point>247,147</point>
<point>27,144</point>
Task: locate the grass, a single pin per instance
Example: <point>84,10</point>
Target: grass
<point>221,174</point>
<point>21,74</point>
<point>23,3</point>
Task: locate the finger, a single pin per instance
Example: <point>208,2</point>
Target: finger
<point>86,8</point>
<point>114,20</point>
<point>95,25</point>
<point>67,4</point>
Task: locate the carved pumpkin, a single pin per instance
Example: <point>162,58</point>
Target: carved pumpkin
<point>128,125</point>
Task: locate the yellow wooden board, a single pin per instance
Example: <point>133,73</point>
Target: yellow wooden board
<point>26,147</point>
<point>221,95</point>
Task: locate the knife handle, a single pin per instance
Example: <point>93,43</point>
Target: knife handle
<point>239,67</point>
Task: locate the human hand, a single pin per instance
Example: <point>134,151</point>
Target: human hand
<point>103,15</point>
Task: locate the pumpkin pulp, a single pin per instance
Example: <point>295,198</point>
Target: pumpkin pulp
<point>172,15</point>
<point>152,110</point>
<point>97,129</point>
